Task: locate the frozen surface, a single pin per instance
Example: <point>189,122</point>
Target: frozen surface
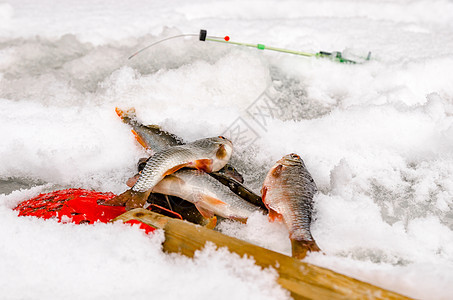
<point>377,137</point>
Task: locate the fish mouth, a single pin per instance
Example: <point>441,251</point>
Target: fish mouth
<point>291,159</point>
<point>231,172</point>
<point>221,140</point>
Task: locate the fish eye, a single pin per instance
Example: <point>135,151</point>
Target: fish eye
<point>293,155</point>
<point>221,137</point>
<point>230,168</point>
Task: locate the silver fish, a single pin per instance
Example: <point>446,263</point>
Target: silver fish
<point>154,138</point>
<point>209,196</point>
<point>288,192</point>
<point>209,155</point>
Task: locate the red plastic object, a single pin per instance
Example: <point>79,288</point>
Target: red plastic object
<point>147,228</point>
<point>78,206</point>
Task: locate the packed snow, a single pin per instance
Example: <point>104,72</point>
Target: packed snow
<point>377,137</point>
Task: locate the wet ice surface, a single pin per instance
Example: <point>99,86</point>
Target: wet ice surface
<point>377,137</point>
<point>9,185</point>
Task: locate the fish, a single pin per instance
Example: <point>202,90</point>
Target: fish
<point>209,195</point>
<point>209,155</point>
<point>288,192</point>
<point>154,138</point>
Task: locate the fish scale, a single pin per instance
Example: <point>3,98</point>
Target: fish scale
<point>162,160</point>
<point>301,188</point>
<point>169,158</point>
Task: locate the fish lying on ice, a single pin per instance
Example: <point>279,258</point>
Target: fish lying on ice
<point>209,196</point>
<point>152,137</point>
<point>288,191</point>
<point>209,155</point>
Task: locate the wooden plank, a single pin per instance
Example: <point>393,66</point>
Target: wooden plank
<point>303,280</point>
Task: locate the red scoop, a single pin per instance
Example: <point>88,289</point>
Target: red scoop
<point>78,206</point>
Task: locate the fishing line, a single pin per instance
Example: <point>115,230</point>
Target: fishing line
<point>202,36</point>
<point>161,41</point>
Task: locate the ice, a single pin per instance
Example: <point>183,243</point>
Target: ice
<point>377,137</point>
<point>115,261</point>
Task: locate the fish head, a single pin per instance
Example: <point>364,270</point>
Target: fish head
<point>280,172</point>
<point>217,150</point>
<point>231,172</point>
<point>291,160</point>
<point>222,148</point>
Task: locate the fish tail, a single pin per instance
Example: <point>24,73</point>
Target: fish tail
<point>130,199</point>
<point>130,113</point>
<point>301,247</point>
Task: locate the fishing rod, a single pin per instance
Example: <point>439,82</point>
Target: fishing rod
<point>336,56</point>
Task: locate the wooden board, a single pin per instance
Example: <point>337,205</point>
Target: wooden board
<point>303,280</point>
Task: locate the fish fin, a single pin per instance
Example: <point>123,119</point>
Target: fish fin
<point>211,200</point>
<point>129,198</point>
<point>301,248</point>
<point>119,112</point>
<point>274,216</point>
<point>204,212</point>
<point>263,193</point>
<point>204,165</point>
<point>133,180</point>
<point>277,171</point>
<point>130,113</point>
<point>137,199</point>
<point>174,169</point>
<point>206,199</point>
<point>119,200</point>
<point>140,140</point>
<point>221,152</point>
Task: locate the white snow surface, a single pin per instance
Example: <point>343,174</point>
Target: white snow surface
<point>377,138</point>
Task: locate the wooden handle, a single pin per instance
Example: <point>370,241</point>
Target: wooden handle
<point>303,280</point>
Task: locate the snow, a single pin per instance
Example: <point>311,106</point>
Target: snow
<point>376,137</point>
